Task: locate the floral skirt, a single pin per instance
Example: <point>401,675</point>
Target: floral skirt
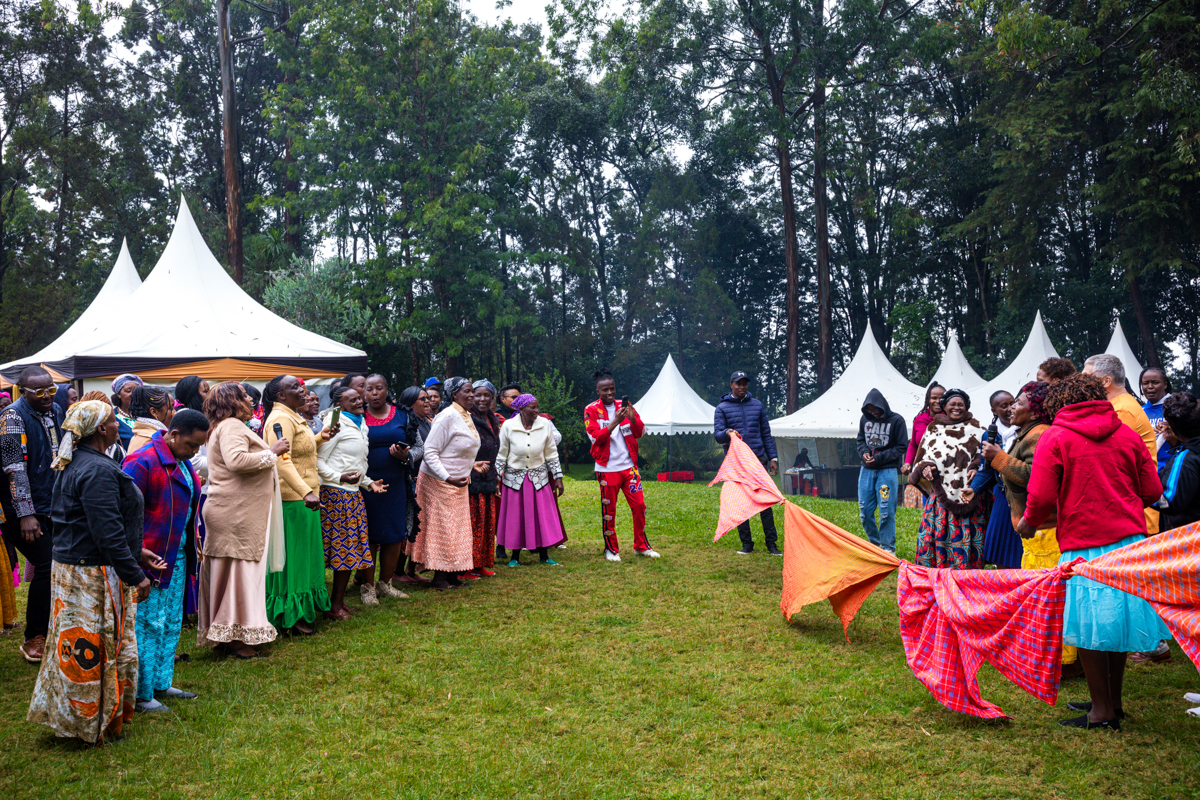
<point>87,682</point>
<point>949,541</point>
<point>485,512</point>
<point>344,530</point>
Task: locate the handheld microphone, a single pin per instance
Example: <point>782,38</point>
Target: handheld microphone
<point>993,433</point>
<point>279,435</point>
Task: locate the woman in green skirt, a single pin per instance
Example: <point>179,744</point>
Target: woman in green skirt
<point>297,594</point>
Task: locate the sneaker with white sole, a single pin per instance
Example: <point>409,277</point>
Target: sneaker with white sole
<point>774,551</point>
<point>610,555</point>
<point>367,593</point>
<point>745,552</point>
<point>649,553</point>
<point>385,589</point>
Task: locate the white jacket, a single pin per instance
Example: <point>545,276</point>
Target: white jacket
<point>530,452</point>
<point>346,452</point>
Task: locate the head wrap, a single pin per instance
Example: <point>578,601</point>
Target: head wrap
<point>485,384</point>
<point>84,418</point>
<point>453,385</point>
<point>6,394</point>
<point>1036,392</point>
<point>124,379</point>
<point>187,392</point>
<point>955,393</point>
<point>523,400</point>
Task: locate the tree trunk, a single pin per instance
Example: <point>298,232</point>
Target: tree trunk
<point>233,181</point>
<point>792,257</point>
<point>60,222</point>
<point>1143,321</point>
<point>293,234</point>
<point>820,197</point>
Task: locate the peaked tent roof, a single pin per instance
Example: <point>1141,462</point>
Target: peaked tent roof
<point>194,312</point>
<point>1023,368</point>
<point>1118,346</point>
<point>118,287</point>
<point>955,370</point>
<point>836,413</point>
<point>671,406</point>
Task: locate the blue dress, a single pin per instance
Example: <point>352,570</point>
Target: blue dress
<point>386,513</point>
<point>1001,542</point>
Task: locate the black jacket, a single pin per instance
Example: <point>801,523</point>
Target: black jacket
<point>1181,487</point>
<point>97,516</point>
<point>748,417</point>
<point>886,439</point>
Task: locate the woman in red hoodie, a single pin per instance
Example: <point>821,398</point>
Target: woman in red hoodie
<point>1096,472</point>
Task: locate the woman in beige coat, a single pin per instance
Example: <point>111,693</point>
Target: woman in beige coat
<point>242,487</point>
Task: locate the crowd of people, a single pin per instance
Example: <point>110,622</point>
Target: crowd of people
<point>145,508</point>
<point>1070,466</point>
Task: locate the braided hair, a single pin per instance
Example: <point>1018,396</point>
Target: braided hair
<point>929,394</point>
<point>187,391</point>
<point>1078,388</point>
<point>145,398</point>
<point>271,394</point>
<point>335,394</point>
<point>1182,412</point>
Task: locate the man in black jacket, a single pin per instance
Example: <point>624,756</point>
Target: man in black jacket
<point>30,430</point>
<point>740,411</point>
<point>882,440</point>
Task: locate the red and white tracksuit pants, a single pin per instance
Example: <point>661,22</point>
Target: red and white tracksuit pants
<point>612,484</point>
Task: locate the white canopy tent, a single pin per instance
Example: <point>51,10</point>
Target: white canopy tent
<point>836,413</point>
<point>1118,346</point>
<point>198,321</point>
<point>1023,368</point>
<point>120,285</point>
<point>671,406</point>
<point>955,371</point>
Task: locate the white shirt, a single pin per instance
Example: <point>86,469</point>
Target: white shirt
<point>450,447</point>
<point>618,451</point>
<point>346,452</point>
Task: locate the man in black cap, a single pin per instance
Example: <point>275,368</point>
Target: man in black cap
<point>740,411</point>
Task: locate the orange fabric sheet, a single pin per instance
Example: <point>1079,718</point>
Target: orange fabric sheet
<point>55,376</point>
<point>748,489</point>
<point>228,369</point>
<point>823,562</point>
<point>1165,570</point>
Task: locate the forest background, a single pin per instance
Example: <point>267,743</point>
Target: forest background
<point>744,184</point>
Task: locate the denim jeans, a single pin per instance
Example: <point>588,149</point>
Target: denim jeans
<point>879,488</point>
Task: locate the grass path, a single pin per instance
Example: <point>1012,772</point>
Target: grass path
<point>668,678</point>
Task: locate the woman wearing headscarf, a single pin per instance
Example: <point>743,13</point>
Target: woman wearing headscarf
<point>152,410</point>
<point>171,490</point>
<point>122,390</point>
<point>484,487</point>
<point>190,393</point>
<point>387,461</point>
<point>952,525</point>
<point>445,542</point>
<point>297,593</point>
<point>342,464</point>
<point>86,691</point>
<point>414,406</point>
<point>530,478</point>
<point>243,523</point>
<point>1014,466</point>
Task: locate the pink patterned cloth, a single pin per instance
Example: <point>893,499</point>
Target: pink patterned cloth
<point>951,621</point>
<point>1165,571</point>
<point>748,489</point>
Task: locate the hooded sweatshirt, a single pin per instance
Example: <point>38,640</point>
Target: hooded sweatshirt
<point>1096,472</point>
<point>1181,487</point>
<point>886,438</point>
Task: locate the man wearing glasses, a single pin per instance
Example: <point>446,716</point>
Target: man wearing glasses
<point>30,430</point>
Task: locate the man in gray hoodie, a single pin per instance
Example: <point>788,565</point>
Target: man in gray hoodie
<point>882,440</point>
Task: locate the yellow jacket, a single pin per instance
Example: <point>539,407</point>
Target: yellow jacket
<point>298,474</point>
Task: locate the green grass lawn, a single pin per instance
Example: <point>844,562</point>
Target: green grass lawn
<point>667,678</point>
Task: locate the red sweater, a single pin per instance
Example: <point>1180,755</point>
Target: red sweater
<point>1096,472</point>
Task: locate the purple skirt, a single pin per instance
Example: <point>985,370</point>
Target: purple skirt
<point>529,518</point>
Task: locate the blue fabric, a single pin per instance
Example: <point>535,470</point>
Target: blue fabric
<point>1154,411</point>
<point>387,513</point>
<point>355,418</point>
<point>878,489</point>
<point>1099,617</point>
<point>159,622</point>
<point>1001,542</point>
<point>748,417</point>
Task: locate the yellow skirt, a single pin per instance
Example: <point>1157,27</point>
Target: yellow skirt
<point>1041,552</point>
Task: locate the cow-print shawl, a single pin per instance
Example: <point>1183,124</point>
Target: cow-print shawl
<point>952,449</point>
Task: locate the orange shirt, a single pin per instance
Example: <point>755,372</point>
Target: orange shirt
<point>1129,412</point>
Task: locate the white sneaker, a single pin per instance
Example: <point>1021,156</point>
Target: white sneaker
<point>385,589</point>
<point>648,553</point>
<point>562,547</point>
<point>1192,697</point>
<point>610,555</point>
<point>744,552</point>
<point>367,593</point>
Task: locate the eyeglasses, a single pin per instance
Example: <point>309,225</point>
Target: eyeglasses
<point>40,393</point>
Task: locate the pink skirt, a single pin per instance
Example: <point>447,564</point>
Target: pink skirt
<point>529,518</point>
<point>445,542</point>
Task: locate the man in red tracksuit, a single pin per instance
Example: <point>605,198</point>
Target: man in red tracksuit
<point>614,429</point>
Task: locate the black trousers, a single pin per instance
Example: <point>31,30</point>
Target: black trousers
<point>40,553</point>
<point>768,523</point>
